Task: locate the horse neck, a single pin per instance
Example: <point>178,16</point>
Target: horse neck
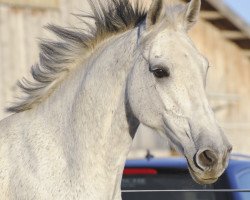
<point>95,127</point>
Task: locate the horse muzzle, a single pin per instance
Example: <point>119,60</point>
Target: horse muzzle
<point>207,165</point>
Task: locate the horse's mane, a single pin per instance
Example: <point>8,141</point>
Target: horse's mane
<point>57,57</point>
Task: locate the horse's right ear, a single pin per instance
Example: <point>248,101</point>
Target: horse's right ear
<point>154,12</point>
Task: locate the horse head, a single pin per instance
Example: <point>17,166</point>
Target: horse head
<point>166,89</point>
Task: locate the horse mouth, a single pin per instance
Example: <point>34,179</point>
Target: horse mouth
<point>200,180</point>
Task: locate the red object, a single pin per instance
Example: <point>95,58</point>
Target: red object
<point>139,171</point>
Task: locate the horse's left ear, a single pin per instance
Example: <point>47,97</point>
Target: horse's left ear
<point>192,13</point>
<point>154,12</point>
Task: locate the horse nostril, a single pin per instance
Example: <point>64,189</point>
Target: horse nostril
<point>206,159</point>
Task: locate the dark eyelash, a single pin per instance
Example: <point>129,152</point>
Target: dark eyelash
<point>160,72</point>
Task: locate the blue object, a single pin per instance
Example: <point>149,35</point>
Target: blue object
<point>237,174</point>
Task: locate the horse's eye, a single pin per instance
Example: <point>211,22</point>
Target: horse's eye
<point>160,72</point>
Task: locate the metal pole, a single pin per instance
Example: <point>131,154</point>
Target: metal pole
<point>207,190</point>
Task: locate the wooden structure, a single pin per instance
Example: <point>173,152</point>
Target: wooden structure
<point>220,35</point>
<point>225,39</point>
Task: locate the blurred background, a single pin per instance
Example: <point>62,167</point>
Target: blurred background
<point>222,35</point>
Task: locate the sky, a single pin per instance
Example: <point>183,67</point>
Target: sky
<point>241,7</point>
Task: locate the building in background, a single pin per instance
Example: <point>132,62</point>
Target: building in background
<point>220,35</point>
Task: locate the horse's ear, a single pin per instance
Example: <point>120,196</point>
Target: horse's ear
<point>192,13</point>
<point>154,12</point>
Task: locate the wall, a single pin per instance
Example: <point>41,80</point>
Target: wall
<point>20,29</point>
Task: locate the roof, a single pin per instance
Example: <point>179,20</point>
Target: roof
<point>181,163</point>
<point>231,25</point>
